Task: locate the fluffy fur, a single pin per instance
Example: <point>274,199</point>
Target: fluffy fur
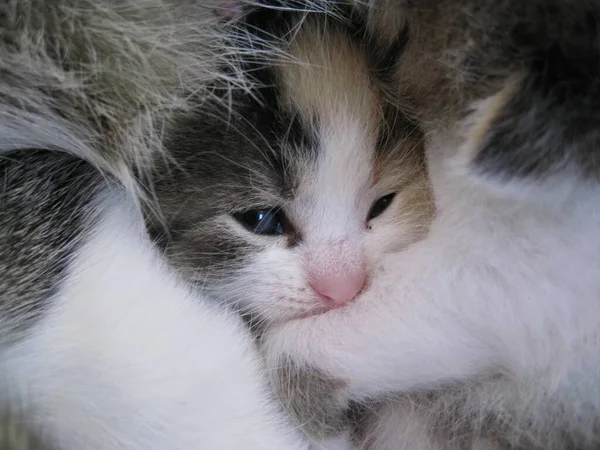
<point>101,345</point>
<point>126,356</point>
<point>538,60</point>
<point>487,330</point>
<point>99,79</point>
<point>316,145</point>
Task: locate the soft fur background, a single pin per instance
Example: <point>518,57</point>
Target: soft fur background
<point>99,79</point>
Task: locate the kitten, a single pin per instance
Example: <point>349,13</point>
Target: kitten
<point>284,204</point>
<point>102,346</point>
<point>487,329</point>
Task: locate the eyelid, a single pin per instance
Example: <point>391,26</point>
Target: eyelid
<point>390,198</point>
<point>254,220</point>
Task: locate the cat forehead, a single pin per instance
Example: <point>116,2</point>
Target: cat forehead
<point>326,79</point>
<point>317,101</point>
<point>328,96</point>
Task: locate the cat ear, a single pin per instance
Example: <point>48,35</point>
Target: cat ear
<point>545,121</point>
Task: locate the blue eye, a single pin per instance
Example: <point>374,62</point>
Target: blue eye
<point>267,221</point>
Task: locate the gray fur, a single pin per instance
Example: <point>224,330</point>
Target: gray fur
<point>544,53</point>
<point>247,153</point>
<point>228,159</point>
<point>313,399</point>
<point>99,81</point>
<point>543,58</point>
<point>247,150</point>
<point>87,89</point>
<point>47,206</point>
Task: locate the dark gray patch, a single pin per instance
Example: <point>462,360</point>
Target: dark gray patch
<point>315,401</point>
<point>382,58</point>
<point>203,251</point>
<point>385,59</point>
<point>397,128</point>
<point>364,419</point>
<point>552,123</point>
<point>45,206</point>
<point>15,435</point>
<point>232,155</point>
<point>226,162</point>
<point>467,50</point>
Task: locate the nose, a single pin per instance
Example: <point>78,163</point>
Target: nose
<point>340,288</point>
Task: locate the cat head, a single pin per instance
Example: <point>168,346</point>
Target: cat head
<point>283,198</point>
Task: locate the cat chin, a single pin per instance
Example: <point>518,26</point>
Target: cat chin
<point>271,320</point>
<point>318,312</point>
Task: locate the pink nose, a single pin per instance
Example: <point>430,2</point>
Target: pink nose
<point>339,289</point>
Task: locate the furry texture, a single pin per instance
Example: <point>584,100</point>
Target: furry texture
<point>476,299</point>
<point>487,329</point>
<point>313,150</point>
<point>96,81</point>
<point>38,242</point>
<point>539,60</point>
<point>101,345</point>
<point>126,356</point>
<point>489,326</point>
<point>100,79</point>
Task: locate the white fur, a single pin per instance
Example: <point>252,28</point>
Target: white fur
<point>501,286</point>
<point>128,357</point>
<point>326,81</point>
<point>329,210</point>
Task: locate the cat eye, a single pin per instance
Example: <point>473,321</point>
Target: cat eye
<point>267,221</point>
<point>380,206</point>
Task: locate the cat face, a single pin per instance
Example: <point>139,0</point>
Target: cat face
<point>284,201</point>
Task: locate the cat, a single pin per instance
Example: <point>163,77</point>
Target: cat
<point>102,345</point>
<point>284,203</point>
<point>487,330</point>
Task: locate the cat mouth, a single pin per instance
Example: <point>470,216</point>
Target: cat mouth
<point>317,311</point>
